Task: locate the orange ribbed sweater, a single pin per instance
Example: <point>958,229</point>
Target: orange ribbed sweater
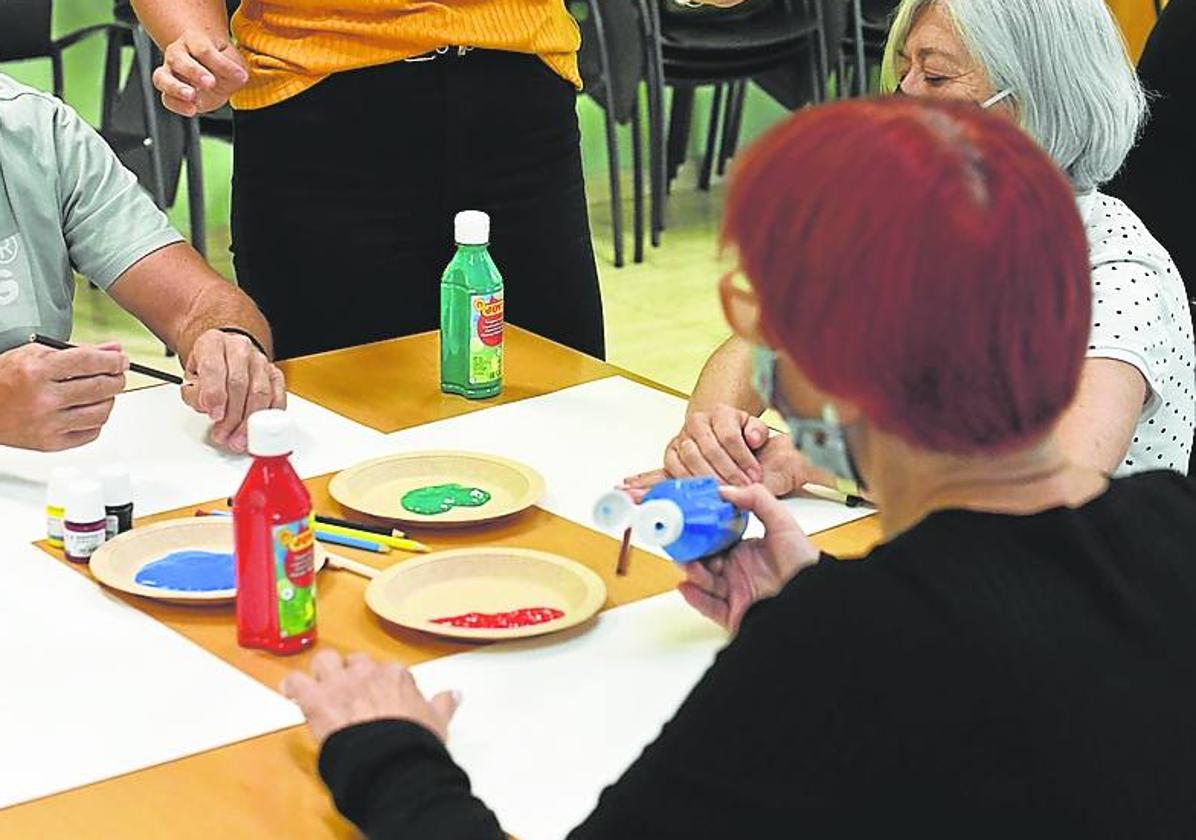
<point>291,45</point>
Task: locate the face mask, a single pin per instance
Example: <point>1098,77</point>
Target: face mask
<point>822,442</point>
<point>995,98</point>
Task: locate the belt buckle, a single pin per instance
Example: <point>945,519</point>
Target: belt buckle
<point>428,56</point>
<point>437,53</point>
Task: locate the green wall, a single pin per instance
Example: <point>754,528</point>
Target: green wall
<point>83,69</point>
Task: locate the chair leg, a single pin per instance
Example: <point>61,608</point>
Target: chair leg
<point>143,51</point>
<point>56,70</point>
<point>716,107</point>
<point>656,150</point>
<point>612,140</point>
<point>680,118</point>
<point>740,107</point>
<point>196,205</point>
<point>823,60</point>
<point>111,82</point>
<point>861,69</point>
<point>637,165</point>
<point>616,190</point>
<point>724,146</point>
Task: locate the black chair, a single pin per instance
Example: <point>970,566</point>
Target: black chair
<point>151,141</point>
<point>614,61</point>
<point>25,33</point>
<point>864,42</point>
<point>726,48</point>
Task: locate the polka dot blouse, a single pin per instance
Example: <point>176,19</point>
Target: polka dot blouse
<point>1140,316</point>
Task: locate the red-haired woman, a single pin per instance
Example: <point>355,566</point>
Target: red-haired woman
<point>1015,659</point>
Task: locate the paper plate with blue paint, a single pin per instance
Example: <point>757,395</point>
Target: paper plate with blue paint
<point>181,561</point>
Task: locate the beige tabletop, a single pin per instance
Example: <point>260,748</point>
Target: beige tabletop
<point>267,787</point>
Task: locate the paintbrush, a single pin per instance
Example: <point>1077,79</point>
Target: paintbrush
<point>624,554</point>
<point>133,366</point>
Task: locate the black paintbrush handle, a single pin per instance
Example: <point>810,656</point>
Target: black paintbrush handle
<point>133,366</point>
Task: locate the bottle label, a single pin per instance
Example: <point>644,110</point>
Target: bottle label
<point>485,338</point>
<point>54,526</point>
<point>81,544</point>
<point>111,525</point>
<point>295,576</point>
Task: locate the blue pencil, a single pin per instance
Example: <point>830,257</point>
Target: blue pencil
<point>351,542</point>
<point>322,536</point>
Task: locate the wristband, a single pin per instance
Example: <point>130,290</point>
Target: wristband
<point>252,338</point>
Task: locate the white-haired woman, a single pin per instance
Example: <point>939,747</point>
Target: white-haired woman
<point>1060,68</point>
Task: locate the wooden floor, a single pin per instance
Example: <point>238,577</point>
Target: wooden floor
<point>662,316</point>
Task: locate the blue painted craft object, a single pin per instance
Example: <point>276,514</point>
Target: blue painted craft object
<point>190,571</point>
<point>689,519</point>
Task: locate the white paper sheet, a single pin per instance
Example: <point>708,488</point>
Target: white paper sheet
<point>163,443</point>
<point>546,724</point>
<point>94,688</point>
<point>586,439</point>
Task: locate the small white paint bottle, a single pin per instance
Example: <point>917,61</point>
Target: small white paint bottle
<point>60,479</point>
<point>84,521</point>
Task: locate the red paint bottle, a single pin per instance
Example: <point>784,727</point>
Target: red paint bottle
<point>275,544</point>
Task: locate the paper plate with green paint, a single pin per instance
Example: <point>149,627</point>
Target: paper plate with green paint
<point>438,489</point>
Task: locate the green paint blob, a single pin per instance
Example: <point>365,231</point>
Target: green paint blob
<point>441,498</point>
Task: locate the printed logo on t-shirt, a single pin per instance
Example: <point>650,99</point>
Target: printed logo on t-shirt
<point>9,248</point>
<point>10,289</point>
<point>18,303</point>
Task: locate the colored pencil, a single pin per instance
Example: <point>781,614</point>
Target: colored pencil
<point>357,526</point>
<point>351,542</point>
<point>133,366</point>
<point>348,540</point>
<point>394,542</point>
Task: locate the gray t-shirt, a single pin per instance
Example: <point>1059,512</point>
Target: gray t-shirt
<point>66,204</point>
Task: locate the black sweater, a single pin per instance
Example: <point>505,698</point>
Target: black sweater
<point>1159,177</point>
<point>979,676</point>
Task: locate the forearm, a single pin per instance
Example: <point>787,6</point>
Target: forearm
<point>179,297</point>
<point>166,20</point>
<point>395,779</point>
<point>726,379</point>
<point>1098,427</point>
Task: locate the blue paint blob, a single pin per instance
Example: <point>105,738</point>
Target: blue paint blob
<point>190,571</point>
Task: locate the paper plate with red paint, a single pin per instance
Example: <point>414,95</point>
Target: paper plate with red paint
<point>487,593</point>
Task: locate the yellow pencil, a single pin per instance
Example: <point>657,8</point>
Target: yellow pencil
<point>393,542</point>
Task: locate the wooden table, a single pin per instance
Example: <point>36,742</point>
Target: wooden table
<point>267,787</point>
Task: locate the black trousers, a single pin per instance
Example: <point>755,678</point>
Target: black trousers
<point>344,196</point>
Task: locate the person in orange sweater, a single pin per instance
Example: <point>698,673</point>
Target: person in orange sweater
<point>362,127</point>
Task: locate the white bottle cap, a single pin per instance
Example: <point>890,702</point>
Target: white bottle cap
<point>660,522</point>
<point>118,489</point>
<point>270,433</point>
<point>84,501</point>
<point>60,479</point>
<point>614,511</point>
<point>472,227</point>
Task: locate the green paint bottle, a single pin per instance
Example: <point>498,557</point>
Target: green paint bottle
<point>471,314</point>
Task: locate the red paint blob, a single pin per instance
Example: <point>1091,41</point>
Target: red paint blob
<point>502,621</point>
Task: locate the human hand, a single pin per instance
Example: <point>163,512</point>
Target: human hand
<point>229,379</point>
<point>58,399</point>
<point>723,588</point>
<point>720,442</point>
<point>199,73</point>
<point>342,692</point>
